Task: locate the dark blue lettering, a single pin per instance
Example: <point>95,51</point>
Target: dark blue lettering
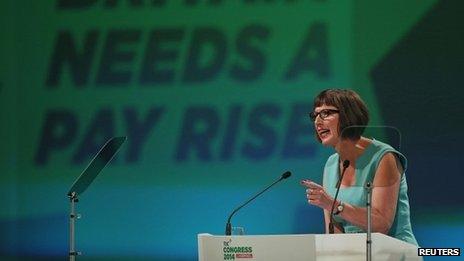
<point>195,2</point>
<point>113,57</point>
<point>138,130</point>
<point>230,137</point>
<point>74,4</point>
<point>313,54</point>
<point>133,3</point>
<point>198,131</point>
<point>257,60</point>
<point>299,130</point>
<point>66,53</point>
<point>158,52</point>
<point>58,132</point>
<point>258,125</point>
<point>196,70</point>
<point>99,132</point>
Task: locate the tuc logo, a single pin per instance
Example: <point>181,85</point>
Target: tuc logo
<point>236,252</point>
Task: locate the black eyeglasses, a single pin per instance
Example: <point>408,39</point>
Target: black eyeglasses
<point>323,113</point>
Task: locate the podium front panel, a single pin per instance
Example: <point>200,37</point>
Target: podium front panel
<point>306,247</point>
<point>256,248</point>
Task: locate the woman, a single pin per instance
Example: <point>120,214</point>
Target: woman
<point>334,111</point>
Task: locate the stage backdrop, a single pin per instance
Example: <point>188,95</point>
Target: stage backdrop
<point>213,97</point>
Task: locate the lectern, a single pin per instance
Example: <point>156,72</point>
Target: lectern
<point>305,247</point>
<point>100,160</point>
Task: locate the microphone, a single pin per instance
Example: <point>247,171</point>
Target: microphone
<point>346,163</point>
<point>229,225</point>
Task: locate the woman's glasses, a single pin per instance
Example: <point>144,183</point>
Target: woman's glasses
<point>323,114</point>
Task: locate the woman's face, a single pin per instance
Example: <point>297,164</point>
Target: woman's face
<point>326,124</point>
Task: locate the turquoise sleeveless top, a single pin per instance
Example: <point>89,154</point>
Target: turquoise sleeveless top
<point>366,166</point>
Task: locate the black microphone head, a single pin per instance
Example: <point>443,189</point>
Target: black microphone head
<point>286,174</point>
<point>346,163</point>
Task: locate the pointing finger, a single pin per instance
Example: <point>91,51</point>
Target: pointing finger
<point>305,182</point>
<point>313,185</point>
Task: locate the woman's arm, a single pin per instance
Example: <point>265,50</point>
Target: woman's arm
<point>337,228</point>
<point>384,198</point>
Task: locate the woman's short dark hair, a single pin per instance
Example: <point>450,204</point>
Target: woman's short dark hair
<point>352,111</point>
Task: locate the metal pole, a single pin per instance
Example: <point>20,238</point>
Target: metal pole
<point>369,222</point>
<point>72,218</point>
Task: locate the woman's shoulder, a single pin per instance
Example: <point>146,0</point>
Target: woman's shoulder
<point>331,166</point>
<point>382,149</point>
<point>379,145</point>
<point>332,160</point>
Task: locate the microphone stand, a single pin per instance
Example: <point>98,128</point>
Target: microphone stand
<point>369,221</point>
<point>229,225</point>
<point>346,163</point>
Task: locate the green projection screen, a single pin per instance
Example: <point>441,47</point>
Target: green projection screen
<point>213,96</point>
